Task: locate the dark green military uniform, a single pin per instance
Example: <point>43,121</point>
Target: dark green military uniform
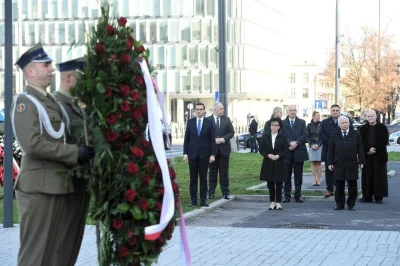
<point>41,187</point>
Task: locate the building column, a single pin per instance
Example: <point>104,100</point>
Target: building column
<point>180,116</point>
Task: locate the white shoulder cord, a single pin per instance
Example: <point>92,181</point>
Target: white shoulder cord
<point>65,115</point>
<point>43,119</point>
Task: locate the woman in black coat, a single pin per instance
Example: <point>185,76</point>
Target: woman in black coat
<point>274,147</point>
<point>345,155</point>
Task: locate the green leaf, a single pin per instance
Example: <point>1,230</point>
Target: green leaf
<point>100,87</point>
<point>123,207</point>
<point>152,218</point>
<point>103,76</point>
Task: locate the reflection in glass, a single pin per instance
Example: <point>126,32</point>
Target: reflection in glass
<point>125,8</point>
<point>159,57</point>
<point>207,30</point>
<point>173,34</point>
<point>34,9</point>
<point>166,8</point>
<point>71,32</point>
<point>185,29</point>
<point>196,79</point>
<point>44,9</point>
<point>142,31</point>
<point>81,32</point>
<point>31,32</point>
<point>64,9</point>
<point>54,8</point>
<point>203,56</point>
<point>216,80</point>
<point>210,8</point>
<point>200,7</point>
<point>188,8</point>
<point>74,7</point>
<point>163,24</point>
<point>171,57</point>
<point>213,56</point>
<point>41,31</point>
<point>153,31</point>
<point>162,80</point>
<point>182,56</point>
<point>193,56</point>
<point>185,81</point>
<point>215,31</point>
<point>196,30</point>
<point>2,33</point>
<point>207,81</point>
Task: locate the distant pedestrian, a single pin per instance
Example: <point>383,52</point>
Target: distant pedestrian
<point>345,155</point>
<point>315,147</point>
<point>274,147</point>
<point>276,113</point>
<point>294,129</point>
<point>253,127</point>
<point>224,131</point>
<point>375,136</point>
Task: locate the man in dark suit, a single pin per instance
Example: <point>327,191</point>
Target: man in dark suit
<point>199,149</point>
<point>295,130</point>
<point>223,130</point>
<point>253,135</point>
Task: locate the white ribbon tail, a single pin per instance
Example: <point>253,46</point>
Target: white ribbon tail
<point>168,206</point>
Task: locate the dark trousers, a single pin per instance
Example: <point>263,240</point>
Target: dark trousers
<point>275,191</point>
<point>298,177</point>
<point>329,178</point>
<point>198,168</point>
<point>340,197</point>
<point>221,165</point>
<point>253,143</point>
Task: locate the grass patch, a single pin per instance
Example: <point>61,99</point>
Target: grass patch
<point>244,172</point>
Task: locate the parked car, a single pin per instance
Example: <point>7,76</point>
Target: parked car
<point>244,139</point>
<point>167,145</point>
<point>396,121</point>
<point>393,128</point>
<point>394,138</point>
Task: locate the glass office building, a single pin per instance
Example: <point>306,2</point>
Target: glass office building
<point>182,36</point>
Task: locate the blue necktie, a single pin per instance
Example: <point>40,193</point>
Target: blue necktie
<point>291,123</point>
<point>198,127</point>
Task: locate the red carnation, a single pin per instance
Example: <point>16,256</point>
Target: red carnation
<point>124,90</point>
<point>174,186</point>
<point>111,119</point>
<point>125,135</point>
<point>122,252</point>
<point>156,168</point>
<point>129,43</point>
<point>99,48</point>
<point>135,95</point>
<point>111,136</point>
<point>122,21</point>
<point>140,49</point>
<point>138,152</point>
<point>145,143</point>
<point>158,206</point>
<point>133,168</point>
<point>172,173</point>
<point>143,204</point>
<point>139,80</point>
<point>130,195</point>
<point>118,223</point>
<point>108,92</point>
<point>110,30</point>
<point>137,113</point>
<point>146,179</point>
<point>124,106</point>
<point>125,59</point>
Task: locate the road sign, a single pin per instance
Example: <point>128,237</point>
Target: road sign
<point>216,96</point>
<point>190,106</point>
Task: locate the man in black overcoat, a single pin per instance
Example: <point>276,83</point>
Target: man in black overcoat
<point>224,131</point>
<point>345,155</point>
<point>375,137</point>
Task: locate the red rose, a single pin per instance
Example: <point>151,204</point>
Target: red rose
<point>137,113</point>
<point>99,48</point>
<point>156,168</point>
<point>145,143</point>
<point>133,168</point>
<point>143,204</point>
<point>111,136</point>
<point>125,59</point>
<point>130,195</point>
<point>124,90</point>
<point>122,252</point>
<point>110,30</point>
<point>144,108</point>
<point>124,106</point>
<point>125,135</point>
<point>138,152</point>
<point>140,49</point>
<point>172,173</point>
<point>158,206</point>
<point>122,21</point>
<point>135,95</point>
<point>111,119</point>
<point>132,241</point>
<point>174,186</point>
<point>146,179</point>
<point>108,92</point>
<point>140,81</point>
<point>118,223</point>
<point>129,43</point>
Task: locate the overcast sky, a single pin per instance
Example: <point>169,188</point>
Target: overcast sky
<point>312,24</point>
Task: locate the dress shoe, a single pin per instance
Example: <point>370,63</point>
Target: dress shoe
<point>365,200</point>
<point>329,194</point>
<point>351,208</point>
<point>226,196</point>
<point>272,206</point>
<point>318,185</point>
<point>286,199</point>
<point>278,206</point>
<point>379,201</point>
<point>211,196</point>
<point>204,204</point>
<point>338,208</point>
<point>192,204</point>
<point>314,185</point>
<point>299,200</point>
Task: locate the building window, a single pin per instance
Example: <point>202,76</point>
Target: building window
<point>305,93</point>
<point>210,8</point>
<point>213,56</point>
<point>292,78</point>
<point>203,56</point>
<point>185,30</point>
<point>207,30</point>
<point>193,56</point>
<point>173,28</point>
<point>153,31</point>
<point>142,31</point>
<point>292,93</point>
<point>163,24</point>
<point>305,77</point>
<point>199,7</point>
<point>196,30</point>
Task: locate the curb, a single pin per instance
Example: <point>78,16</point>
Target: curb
<point>266,198</point>
<point>212,206</point>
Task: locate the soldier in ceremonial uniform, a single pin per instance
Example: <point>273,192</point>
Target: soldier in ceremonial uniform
<point>70,72</point>
<point>42,190</point>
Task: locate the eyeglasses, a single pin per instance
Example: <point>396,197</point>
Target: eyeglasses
<point>199,109</point>
<point>274,125</point>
